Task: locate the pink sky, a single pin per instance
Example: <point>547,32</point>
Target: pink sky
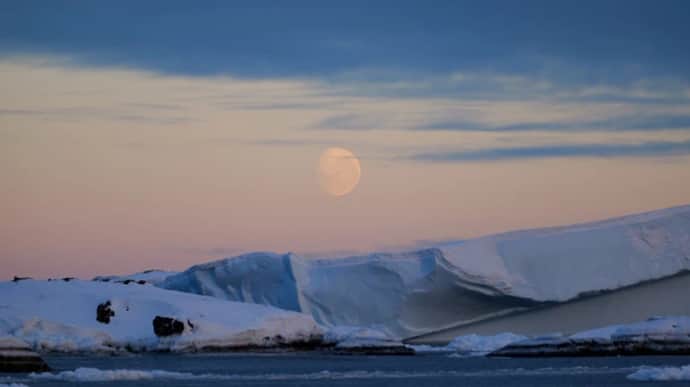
<point>109,170</point>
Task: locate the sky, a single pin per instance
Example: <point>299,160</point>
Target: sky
<point>138,135</point>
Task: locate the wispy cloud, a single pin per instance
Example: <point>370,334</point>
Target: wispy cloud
<point>79,113</point>
<point>645,149</point>
<point>352,122</point>
<point>634,122</point>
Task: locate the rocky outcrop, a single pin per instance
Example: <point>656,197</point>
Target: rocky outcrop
<point>616,346</point>
<point>396,350</point>
<point>17,356</point>
<point>167,326</point>
<point>104,313</point>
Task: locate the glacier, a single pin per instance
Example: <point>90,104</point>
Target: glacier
<point>406,294</point>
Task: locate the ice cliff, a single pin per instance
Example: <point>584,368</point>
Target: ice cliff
<point>409,293</point>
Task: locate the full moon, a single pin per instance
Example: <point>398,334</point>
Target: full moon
<point>339,171</point>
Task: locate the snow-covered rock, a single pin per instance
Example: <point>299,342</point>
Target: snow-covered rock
<point>411,293</point>
<point>658,335</point>
<point>153,277</point>
<point>61,316</point>
<point>343,334</point>
<point>17,356</point>
<point>347,339</point>
<point>472,345</point>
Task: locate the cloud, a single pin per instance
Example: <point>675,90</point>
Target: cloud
<point>635,122</point>
<point>351,122</point>
<point>256,40</point>
<point>78,113</point>
<point>645,149</point>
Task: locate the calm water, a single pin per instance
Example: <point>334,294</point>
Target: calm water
<point>331,370</point>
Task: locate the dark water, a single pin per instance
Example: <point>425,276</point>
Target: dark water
<point>332,370</point>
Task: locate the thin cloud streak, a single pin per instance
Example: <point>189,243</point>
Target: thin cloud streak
<point>646,149</point>
<point>621,123</point>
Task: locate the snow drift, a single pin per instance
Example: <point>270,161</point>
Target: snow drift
<point>61,316</point>
<point>410,293</point>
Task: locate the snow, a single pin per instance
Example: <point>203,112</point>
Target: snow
<point>473,345</point>
<point>661,373</point>
<point>406,294</point>
<point>61,316</point>
<point>560,263</point>
<point>661,328</point>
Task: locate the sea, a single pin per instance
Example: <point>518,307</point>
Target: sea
<point>319,369</point>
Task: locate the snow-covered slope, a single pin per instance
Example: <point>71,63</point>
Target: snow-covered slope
<point>557,264</point>
<point>405,294</point>
<point>61,316</point>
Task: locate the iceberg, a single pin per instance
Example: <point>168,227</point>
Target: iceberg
<point>400,294</point>
<point>467,283</point>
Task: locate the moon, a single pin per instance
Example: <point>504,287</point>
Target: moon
<point>339,171</point>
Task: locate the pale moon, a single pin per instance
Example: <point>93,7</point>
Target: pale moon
<point>339,171</point>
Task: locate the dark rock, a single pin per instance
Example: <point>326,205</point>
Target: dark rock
<point>104,313</point>
<point>126,282</point>
<point>17,279</point>
<point>67,279</point>
<point>141,282</point>
<point>166,326</point>
<point>16,356</point>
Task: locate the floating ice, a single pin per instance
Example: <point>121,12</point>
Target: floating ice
<point>661,373</point>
